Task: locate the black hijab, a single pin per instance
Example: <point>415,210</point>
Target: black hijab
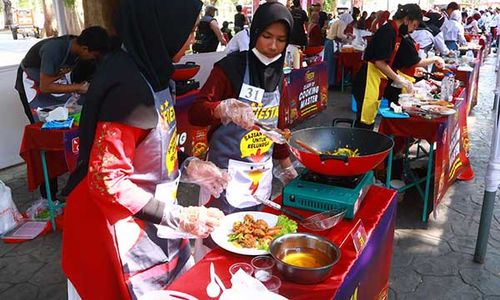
<point>266,77</point>
<point>152,31</point>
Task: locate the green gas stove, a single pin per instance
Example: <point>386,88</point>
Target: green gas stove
<point>316,192</point>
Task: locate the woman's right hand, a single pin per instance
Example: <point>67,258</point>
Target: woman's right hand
<point>199,221</point>
<point>233,110</point>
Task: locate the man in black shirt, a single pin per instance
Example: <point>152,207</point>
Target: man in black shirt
<point>42,75</point>
<point>240,20</point>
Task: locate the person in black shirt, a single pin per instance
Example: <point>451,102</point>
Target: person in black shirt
<point>226,31</point>
<point>298,35</point>
<point>371,80</point>
<point>407,63</point>
<point>41,78</point>
<point>208,34</point>
<point>240,20</point>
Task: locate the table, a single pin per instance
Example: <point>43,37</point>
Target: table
<point>45,157</point>
<point>451,151</point>
<point>305,93</point>
<point>365,275</point>
<point>351,61</point>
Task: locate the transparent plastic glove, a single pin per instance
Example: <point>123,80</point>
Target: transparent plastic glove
<point>402,82</point>
<point>199,220</point>
<point>205,174</point>
<point>285,175</point>
<point>233,110</point>
<point>439,62</point>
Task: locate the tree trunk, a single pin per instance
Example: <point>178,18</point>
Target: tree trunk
<point>49,24</point>
<point>100,12</point>
<point>7,13</point>
<point>74,18</point>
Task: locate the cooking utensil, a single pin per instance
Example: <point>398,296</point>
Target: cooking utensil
<point>275,134</point>
<point>373,148</point>
<point>307,147</point>
<point>298,242</point>
<point>317,222</point>
<point>183,72</point>
<point>213,289</point>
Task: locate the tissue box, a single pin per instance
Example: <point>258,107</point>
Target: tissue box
<point>58,124</point>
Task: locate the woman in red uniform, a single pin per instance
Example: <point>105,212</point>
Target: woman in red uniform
<point>369,84</point>
<point>124,233</point>
<point>245,87</point>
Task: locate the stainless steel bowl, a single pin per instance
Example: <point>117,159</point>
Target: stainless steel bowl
<point>294,242</point>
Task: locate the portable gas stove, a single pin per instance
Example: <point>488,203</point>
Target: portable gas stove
<point>316,192</point>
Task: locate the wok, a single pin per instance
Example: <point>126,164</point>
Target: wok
<point>183,72</point>
<point>373,148</point>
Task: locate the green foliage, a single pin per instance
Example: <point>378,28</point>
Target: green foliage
<point>329,5</point>
<point>69,3</point>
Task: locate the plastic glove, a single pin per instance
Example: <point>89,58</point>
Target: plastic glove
<point>419,72</point>
<point>233,110</point>
<point>285,175</point>
<point>199,220</point>
<point>404,83</point>
<point>439,62</point>
<point>205,174</point>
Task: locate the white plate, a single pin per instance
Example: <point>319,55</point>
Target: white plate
<point>437,109</point>
<point>220,235</point>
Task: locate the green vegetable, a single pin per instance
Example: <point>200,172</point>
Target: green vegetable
<point>232,237</point>
<point>287,225</point>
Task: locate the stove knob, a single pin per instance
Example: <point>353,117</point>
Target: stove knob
<point>292,198</point>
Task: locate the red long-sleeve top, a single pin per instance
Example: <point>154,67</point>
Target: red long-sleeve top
<point>217,88</point>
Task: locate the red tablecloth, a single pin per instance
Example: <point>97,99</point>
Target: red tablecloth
<point>52,141</point>
<point>350,61</point>
<point>372,210</point>
<point>452,143</point>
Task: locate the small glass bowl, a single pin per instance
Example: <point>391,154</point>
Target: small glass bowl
<point>263,266</point>
<point>273,284</point>
<point>247,268</point>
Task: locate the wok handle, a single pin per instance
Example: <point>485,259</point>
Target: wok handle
<point>343,158</point>
<point>336,121</point>
<point>307,147</point>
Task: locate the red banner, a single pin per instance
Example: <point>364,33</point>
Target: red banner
<point>307,93</point>
<point>452,154</point>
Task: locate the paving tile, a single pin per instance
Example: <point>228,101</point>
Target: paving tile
<point>21,291</point>
<point>404,280</point>
<point>19,269</point>
<point>420,244</point>
<point>54,292</point>
<point>6,248</point>
<point>482,279</point>
<point>449,287</point>
<point>49,274</point>
<point>4,286</point>
<point>444,265</point>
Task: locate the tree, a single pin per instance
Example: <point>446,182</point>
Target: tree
<point>73,15</point>
<point>7,13</point>
<point>49,24</point>
<point>100,12</point>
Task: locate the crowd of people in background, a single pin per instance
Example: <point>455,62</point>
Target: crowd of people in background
<point>315,27</point>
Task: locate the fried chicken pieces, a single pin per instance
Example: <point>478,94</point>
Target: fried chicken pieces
<point>253,233</point>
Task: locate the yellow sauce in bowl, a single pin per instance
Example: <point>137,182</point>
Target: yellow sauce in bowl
<point>306,258</point>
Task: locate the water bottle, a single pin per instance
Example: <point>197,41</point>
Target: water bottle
<point>430,54</point>
<point>445,87</point>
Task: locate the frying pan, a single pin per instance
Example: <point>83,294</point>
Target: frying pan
<point>373,148</point>
<point>183,72</point>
